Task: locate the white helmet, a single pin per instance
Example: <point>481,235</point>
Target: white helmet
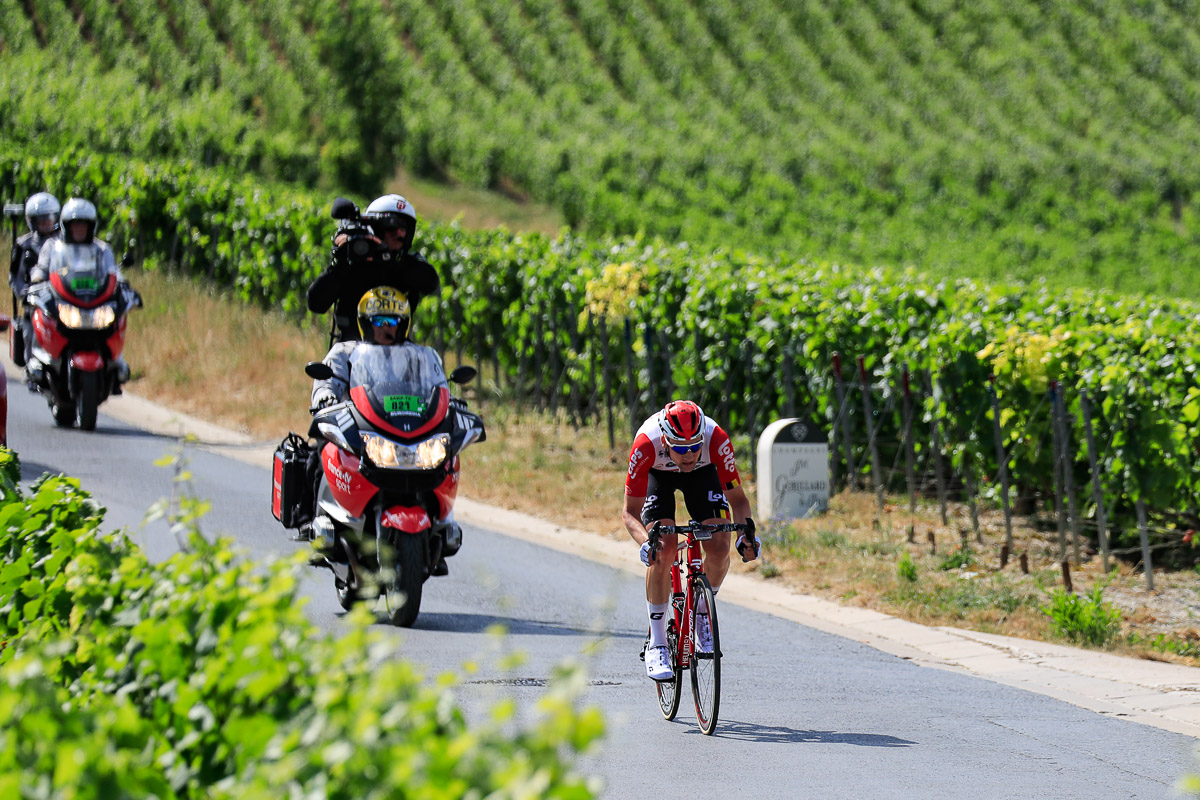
<point>39,207</point>
<point>392,212</point>
<point>79,210</point>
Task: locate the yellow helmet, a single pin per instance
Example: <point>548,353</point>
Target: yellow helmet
<point>384,302</point>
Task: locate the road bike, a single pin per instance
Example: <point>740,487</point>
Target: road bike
<point>690,593</point>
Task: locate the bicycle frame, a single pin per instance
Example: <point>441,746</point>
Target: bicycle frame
<point>681,595</point>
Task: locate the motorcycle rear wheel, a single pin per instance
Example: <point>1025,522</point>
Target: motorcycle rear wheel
<point>89,399</point>
<point>402,593</point>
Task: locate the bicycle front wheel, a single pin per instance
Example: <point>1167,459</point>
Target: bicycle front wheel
<point>669,691</point>
<point>706,662</point>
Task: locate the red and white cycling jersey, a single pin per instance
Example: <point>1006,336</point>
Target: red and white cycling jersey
<point>650,452</point>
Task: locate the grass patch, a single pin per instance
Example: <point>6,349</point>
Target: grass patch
<point>959,599</point>
<point>957,560</point>
<point>1164,643</point>
<point>1083,619</point>
<point>831,539</point>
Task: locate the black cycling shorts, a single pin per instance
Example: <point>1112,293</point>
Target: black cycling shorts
<point>702,494</point>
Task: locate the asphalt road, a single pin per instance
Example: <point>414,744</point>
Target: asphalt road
<point>803,713</point>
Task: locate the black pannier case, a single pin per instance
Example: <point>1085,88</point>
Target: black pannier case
<point>287,480</point>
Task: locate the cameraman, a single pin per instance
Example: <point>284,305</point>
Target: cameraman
<point>42,214</point>
<point>369,253</point>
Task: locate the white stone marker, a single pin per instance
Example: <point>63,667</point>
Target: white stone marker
<point>793,470</point>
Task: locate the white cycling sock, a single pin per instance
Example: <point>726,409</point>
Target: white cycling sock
<point>658,623</point>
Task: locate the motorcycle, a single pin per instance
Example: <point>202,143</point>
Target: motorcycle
<point>389,474</point>
<point>79,317</point>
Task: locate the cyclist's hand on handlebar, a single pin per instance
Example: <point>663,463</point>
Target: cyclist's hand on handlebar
<point>748,545</point>
<point>650,551</point>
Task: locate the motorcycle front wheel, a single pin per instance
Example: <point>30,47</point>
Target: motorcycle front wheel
<point>64,414</point>
<point>346,595</point>
<point>402,588</point>
<point>89,399</point>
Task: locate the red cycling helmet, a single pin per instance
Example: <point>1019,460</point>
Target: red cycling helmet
<point>682,422</point>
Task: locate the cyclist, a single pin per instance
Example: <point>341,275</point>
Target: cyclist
<point>680,448</point>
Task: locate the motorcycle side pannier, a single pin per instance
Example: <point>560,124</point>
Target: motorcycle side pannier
<point>288,493</point>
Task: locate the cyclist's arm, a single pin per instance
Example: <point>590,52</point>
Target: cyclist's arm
<point>631,515</point>
<point>637,477</point>
<point>739,503</point>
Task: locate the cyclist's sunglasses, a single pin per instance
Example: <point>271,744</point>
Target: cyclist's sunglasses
<point>384,322</point>
<point>687,448</point>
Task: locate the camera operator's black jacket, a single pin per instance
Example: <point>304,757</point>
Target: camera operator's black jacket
<point>24,258</point>
<point>343,286</point>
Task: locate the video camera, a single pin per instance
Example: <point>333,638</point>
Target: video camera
<point>14,212</point>
<point>362,244</point>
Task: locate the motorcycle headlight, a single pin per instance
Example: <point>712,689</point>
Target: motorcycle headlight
<point>393,455</point>
<point>87,318</point>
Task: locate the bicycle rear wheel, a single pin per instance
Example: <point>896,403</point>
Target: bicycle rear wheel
<point>706,667</point>
<point>669,691</point>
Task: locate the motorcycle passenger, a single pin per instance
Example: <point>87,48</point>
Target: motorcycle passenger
<point>680,448</point>
<point>78,241</point>
<point>41,214</point>
<point>384,317</point>
<point>348,276</point>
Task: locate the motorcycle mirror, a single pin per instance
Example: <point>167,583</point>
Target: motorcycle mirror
<point>344,209</point>
<point>318,370</point>
<point>14,210</point>
<point>127,259</point>
<point>463,374</point>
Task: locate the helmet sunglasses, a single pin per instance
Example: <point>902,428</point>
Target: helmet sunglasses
<point>382,321</point>
<point>388,222</point>
<point>687,448</point>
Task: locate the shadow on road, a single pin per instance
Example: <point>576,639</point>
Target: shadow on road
<point>478,623</point>
<point>749,732</point>
<point>137,433</point>
<point>31,470</point>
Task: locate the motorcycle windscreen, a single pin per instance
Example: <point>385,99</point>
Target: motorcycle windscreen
<point>81,272</point>
<point>400,389</point>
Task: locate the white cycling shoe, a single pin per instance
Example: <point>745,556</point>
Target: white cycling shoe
<point>658,663</point>
<point>704,643</point>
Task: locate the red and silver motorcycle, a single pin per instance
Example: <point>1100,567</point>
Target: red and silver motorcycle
<point>390,464</point>
<point>79,317</point>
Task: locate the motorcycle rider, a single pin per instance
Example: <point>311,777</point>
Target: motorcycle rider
<point>384,317</point>
<point>42,215</point>
<point>390,263</point>
<point>78,242</point>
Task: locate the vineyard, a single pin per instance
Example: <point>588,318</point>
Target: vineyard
<point>579,324</point>
<point>995,139</point>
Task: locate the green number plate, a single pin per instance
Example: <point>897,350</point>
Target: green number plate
<point>401,403</point>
